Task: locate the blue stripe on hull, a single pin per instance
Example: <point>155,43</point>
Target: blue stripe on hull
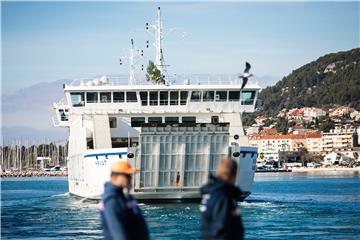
<point>104,154</point>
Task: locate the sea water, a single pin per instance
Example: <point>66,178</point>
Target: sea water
<point>282,206</point>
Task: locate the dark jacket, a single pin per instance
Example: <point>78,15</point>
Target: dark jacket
<point>120,216</point>
<point>220,216</point>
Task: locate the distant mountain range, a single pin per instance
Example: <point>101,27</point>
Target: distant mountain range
<point>329,80</point>
<point>28,135</point>
<point>26,114</point>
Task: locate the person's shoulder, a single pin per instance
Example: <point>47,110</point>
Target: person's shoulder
<point>234,191</point>
<point>114,196</point>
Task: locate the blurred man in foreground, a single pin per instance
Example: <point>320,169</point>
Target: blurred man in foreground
<point>220,216</point>
<point>120,216</point>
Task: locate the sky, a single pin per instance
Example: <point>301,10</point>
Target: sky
<point>45,42</point>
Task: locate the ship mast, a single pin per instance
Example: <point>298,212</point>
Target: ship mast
<point>159,58</point>
<point>158,31</point>
<point>132,79</point>
<point>134,55</point>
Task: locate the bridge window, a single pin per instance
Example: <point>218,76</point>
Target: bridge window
<point>154,98</point>
<point>63,115</point>
<point>91,97</point>
<point>118,97</point>
<point>155,120</point>
<point>131,97</point>
<point>195,96</point>
<point>214,119</point>
<point>183,97</point>
<point>171,119</point>
<point>137,121</point>
<point>77,99</point>
<point>189,119</point>
<point>234,95</point>
<point>247,97</point>
<point>112,122</point>
<point>208,96</point>
<point>221,96</point>
<point>144,98</point>
<point>174,98</point>
<point>105,97</point>
<point>164,98</point>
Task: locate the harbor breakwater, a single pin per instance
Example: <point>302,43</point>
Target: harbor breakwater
<point>33,174</point>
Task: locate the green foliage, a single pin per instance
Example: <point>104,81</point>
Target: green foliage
<point>282,125</point>
<point>268,122</point>
<point>311,86</point>
<point>154,74</point>
<point>248,119</point>
<point>326,124</point>
<point>291,124</point>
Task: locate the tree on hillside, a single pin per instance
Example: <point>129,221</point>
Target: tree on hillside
<point>268,122</point>
<point>282,125</point>
<point>327,124</point>
<point>248,119</point>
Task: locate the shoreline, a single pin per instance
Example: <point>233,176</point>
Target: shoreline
<point>325,170</point>
<point>33,174</point>
<point>332,170</point>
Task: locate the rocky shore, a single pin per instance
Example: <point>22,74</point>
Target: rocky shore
<point>33,174</point>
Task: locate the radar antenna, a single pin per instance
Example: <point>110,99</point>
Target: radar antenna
<point>134,55</point>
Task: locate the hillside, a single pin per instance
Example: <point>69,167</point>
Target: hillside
<point>331,79</point>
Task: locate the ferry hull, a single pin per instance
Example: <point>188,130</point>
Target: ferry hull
<point>87,180</point>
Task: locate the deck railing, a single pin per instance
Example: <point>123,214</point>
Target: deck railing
<point>183,79</point>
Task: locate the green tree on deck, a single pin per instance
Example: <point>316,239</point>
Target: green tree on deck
<point>154,74</point>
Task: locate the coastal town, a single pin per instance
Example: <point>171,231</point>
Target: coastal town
<point>307,137</point>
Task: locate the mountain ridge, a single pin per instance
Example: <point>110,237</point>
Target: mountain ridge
<point>332,79</point>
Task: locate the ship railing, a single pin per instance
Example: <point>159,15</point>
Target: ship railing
<point>55,121</point>
<point>182,79</point>
<point>60,103</point>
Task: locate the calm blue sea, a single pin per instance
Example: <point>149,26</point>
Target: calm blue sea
<point>283,206</point>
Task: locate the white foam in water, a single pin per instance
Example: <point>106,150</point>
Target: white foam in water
<point>257,204</point>
<point>66,194</point>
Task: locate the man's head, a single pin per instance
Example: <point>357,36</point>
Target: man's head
<point>121,172</point>
<point>227,170</point>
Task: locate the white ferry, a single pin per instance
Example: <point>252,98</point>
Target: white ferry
<point>174,133</point>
